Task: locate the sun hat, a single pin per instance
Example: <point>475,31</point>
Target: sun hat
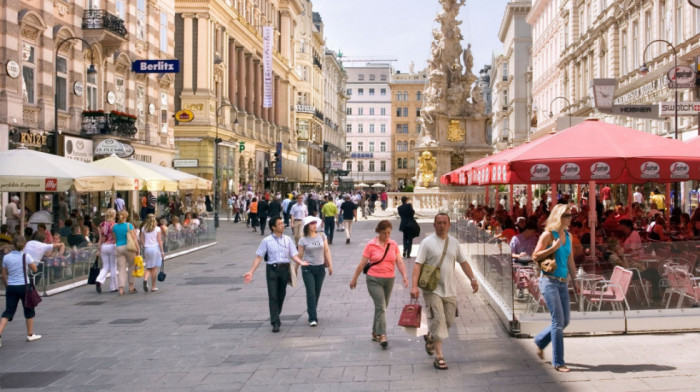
<point>311,219</point>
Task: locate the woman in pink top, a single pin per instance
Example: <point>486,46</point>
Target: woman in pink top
<point>107,250</point>
<point>383,255</point>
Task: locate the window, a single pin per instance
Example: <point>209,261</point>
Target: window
<point>382,92</point>
<point>382,111</point>
<point>360,77</point>
<point>360,91</point>
<point>398,112</point>
<point>163,31</point>
<point>348,146</point>
<point>382,166</point>
<point>418,112</point>
<point>635,45</point>
<point>662,20</point>
<point>360,128</point>
<point>399,96</point>
<point>398,128</point>
<point>405,112</point>
<point>360,111</point>
<point>581,23</point>
<point>28,68</point>
<point>91,92</point>
<point>371,76</point>
<point>348,166</point>
<point>371,146</point>
<point>623,53</point>
<point>382,128</point>
<point>121,10</point>
<point>405,96</point>
<point>348,111</point>
<point>360,166</point>
<point>371,111</point>
<point>371,166</point>
<point>405,163</point>
<point>141,19</point>
<point>348,92</point>
<point>382,146</point>
<point>398,146</point>
<point>164,112</point>
<point>418,96</point>
<point>647,28</point>
<point>371,128</point>
<point>348,128</point>
<point>398,164</point>
<point>371,91</point>
<point>679,21</point>
<point>505,71</point>
<point>382,77</point>
<point>360,146</point>
<point>405,128</point>
<point>61,83</point>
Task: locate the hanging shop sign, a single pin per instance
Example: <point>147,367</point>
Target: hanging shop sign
<point>681,76</point>
<point>185,162</point>
<point>77,149</point>
<point>184,115</point>
<point>111,146</point>
<point>667,109</point>
<point>267,66</point>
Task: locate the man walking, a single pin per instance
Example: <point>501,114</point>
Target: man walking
<point>349,211</point>
<point>275,207</point>
<point>278,250</point>
<point>263,209</point>
<point>286,207</point>
<point>298,212</point>
<point>441,303</point>
<point>329,211</point>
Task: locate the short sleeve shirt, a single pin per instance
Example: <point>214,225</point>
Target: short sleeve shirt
<point>278,249</point>
<point>329,210</point>
<point>374,252</point>
<point>348,208</point>
<point>430,251</point>
<point>313,249</point>
<point>120,232</point>
<point>13,262</point>
<point>299,211</point>
<point>37,249</point>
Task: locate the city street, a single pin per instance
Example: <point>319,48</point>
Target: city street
<point>204,330</point>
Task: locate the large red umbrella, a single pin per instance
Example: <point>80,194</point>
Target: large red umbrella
<point>595,151</point>
<point>462,176</point>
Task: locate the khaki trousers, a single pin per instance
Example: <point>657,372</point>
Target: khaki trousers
<point>297,228</point>
<point>441,313</point>
<point>125,266</point>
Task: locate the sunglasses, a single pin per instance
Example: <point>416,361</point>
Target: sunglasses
<point>566,215</point>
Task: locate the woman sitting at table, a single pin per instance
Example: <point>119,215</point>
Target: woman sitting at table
<point>657,232</point>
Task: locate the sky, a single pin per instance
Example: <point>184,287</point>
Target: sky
<point>401,29</point>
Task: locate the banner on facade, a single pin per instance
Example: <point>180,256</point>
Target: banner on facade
<point>268,35</point>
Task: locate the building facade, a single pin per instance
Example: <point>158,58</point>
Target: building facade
<point>406,103</point>
<point>220,44</point>
<point>510,88</point>
<point>368,128</point>
<point>48,72</point>
<point>334,104</point>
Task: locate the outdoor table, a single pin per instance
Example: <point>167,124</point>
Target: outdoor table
<point>588,280</point>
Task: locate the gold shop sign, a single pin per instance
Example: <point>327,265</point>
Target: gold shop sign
<point>455,133</point>
<point>33,139</point>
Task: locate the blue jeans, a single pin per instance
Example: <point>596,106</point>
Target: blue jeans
<point>556,295</point>
<point>313,280</point>
<point>329,228</point>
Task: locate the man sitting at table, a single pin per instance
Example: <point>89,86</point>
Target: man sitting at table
<point>523,244</point>
<point>633,246</point>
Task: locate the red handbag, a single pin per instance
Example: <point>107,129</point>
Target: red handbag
<point>410,316</point>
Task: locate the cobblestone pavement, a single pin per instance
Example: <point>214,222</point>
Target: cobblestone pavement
<point>205,331</point>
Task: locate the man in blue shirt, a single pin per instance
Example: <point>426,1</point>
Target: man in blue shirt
<point>278,250</point>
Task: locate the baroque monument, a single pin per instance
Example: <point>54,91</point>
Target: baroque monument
<point>452,121</point>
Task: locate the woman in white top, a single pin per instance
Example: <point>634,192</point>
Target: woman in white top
<point>153,254</point>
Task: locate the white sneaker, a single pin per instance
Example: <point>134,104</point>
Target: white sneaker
<point>33,337</point>
<point>313,323</point>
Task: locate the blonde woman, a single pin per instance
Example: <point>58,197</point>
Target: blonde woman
<point>125,258</point>
<point>555,242</point>
<point>107,250</point>
<point>152,242</point>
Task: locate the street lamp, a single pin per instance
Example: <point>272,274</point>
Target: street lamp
<point>91,71</point>
<point>643,70</point>
<point>568,105</point>
<point>217,140</point>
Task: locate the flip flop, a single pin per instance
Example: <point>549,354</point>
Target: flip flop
<point>562,369</point>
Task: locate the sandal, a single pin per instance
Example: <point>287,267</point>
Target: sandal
<point>382,340</point>
<point>375,337</point>
<point>429,345</point>
<point>562,369</point>
<point>440,364</point>
<point>540,353</point>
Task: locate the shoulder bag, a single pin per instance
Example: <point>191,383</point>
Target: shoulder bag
<point>548,263</point>
<point>430,274</point>
<point>31,297</point>
<point>94,273</point>
<point>369,265</point>
<point>130,243</point>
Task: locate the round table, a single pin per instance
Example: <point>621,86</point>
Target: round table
<point>586,279</point>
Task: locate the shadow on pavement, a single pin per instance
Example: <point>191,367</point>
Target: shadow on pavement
<point>644,367</point>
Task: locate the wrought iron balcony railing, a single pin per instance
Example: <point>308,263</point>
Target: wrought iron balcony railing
<point>101,19</point>
<point>108,124</point>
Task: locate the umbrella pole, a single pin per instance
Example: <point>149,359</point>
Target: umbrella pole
<point>668,204</point>
<point>510,197</point>
<point>528,207</point>
<point>21,213</point>
<point>486,195</point>
<point>629,195</point>
<point>592,218</point>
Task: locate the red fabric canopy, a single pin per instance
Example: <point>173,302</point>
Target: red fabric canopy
<point>597,151</point>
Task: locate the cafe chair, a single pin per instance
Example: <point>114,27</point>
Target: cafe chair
<point>613,291</point>
<point>536,299</point>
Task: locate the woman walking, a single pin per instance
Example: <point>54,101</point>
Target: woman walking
<point>383,256</point>
<point>555,243</point>
<point>253,214</point>
<point>125,258</point>
<point>107,250</point>
<point>14,277</point>
<point>152,242</point>
<point>313,248</point>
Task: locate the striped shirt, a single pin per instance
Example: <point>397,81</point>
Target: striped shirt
<point>278,249</point>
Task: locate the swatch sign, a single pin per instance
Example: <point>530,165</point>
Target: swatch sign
<point>650,169</point>
<point>600,171</point>
<point>680,170</point>
<point>539,172</point>
<point>570,171</point>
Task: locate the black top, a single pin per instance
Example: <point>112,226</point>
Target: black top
<point>348,208</point>
<point>263,208</point>
<point>406,213</point>
<point>274,209</point>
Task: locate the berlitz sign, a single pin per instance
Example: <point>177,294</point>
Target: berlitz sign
<point>156,66</point>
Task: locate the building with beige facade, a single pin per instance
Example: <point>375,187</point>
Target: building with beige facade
<point>406,103</point>
<point>607,39</point>
<point>334,103</point>
<point>220,44</point>
<point>510,79</point>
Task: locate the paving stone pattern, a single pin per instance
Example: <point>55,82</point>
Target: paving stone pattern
<point>207,331</point>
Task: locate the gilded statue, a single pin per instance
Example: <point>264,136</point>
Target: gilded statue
<point>427,165</point>
<point>455,133</point>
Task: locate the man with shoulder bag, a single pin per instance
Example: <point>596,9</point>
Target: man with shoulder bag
<point>434,273</point>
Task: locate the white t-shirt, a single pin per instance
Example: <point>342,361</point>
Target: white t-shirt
<point>37,249</point>
<point>430,251</point>
<point>150,239</point>
<point>638,197</point>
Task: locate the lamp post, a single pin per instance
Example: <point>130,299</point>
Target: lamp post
<point>91,71</point>
<point>643,70</point>
<point>568,104</point>
<point>217,140</point>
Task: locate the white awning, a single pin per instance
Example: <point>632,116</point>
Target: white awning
<point>300,172</point>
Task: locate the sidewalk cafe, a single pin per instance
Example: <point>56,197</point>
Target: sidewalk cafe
<point>636,266</point>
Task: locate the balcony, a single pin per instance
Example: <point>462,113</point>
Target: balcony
<point>99,26</point>
<point>114,123</point>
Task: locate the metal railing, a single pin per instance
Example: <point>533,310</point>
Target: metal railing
<point>101,19</point>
